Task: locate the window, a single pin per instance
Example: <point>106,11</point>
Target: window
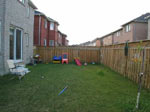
<point>52,26</point>
<point>127,28</point>
<point>0,34</point>
<point>118,34</point>
<point>45,23</point>
<point>51,43</point>
<point>45,42</point>
<point>15,44</point>
<point>23,1</point>
<point>28,12</point>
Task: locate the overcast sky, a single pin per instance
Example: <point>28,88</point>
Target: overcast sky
<point>84,20</point>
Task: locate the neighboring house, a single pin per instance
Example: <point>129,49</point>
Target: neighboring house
<point>67,43</point>
<point>16,32</point>
<point>45,30</point>
<point>53,32</point>
<point>40,29</point>
<point>59,38</point>
<point>134,30</point>
<point>64,36</point>
<point>99,42</point>
<point>108,39</point>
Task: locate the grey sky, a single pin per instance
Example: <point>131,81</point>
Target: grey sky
<point>84,20</point>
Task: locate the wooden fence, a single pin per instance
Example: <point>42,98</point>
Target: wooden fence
<point>129,66</point>
<point>111,56</point>
<point>86,54</point>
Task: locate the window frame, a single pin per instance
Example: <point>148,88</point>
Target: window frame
<point>127,28</point>
<point>51,44</point>
<point>45,42</point>
<point>14,47</point>
<point>45,23</point>
<point>52,26</point>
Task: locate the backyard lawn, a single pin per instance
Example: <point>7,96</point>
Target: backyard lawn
<point>92,88</point>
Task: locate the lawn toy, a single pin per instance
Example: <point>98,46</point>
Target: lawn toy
<point>65,58</point>
<point>37,59</point>
<point>77,60</point>
<point>63,90</point>
<point>57,60</point>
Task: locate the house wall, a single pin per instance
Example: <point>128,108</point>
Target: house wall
<point>44,31</point>
<point>53,34</point>
<point>107,40</point>
<point>98,42</point>
<point>16,15</point>
<point>117,39</point>
<point>127,36</point>
<point>63,40</point>
<point>59,39</point>
<point>140,31</point>
<point>36,30</point>
<point>2,19</point>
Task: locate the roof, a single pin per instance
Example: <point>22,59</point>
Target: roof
<point>39,13</point>
<point>48,18</point>
<point>32,5</point>
<point>52,20</point>
<point>143,18</point>
<point>64,34</point>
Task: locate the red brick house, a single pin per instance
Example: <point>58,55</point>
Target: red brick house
<point>64,36</point>
<point>59,38</point>
<point>52,32</point>
<point>45,30</point>
<point>40,29</point>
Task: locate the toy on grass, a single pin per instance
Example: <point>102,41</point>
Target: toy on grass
<point>85,64</point>
<point>37,59</point>
<point>77,60</point>
<point>93,63</point>
<point>63,90</point>
<point>57,59</point>
<point>65,58</point>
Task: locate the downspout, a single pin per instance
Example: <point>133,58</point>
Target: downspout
<point>39,30</point>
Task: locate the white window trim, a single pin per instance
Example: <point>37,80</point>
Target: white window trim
<point>20,60</point>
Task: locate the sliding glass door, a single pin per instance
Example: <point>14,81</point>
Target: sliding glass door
<point>15,44</point>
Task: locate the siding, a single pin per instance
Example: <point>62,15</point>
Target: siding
<point>140,31</point>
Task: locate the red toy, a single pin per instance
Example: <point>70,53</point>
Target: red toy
<point>65,58</point>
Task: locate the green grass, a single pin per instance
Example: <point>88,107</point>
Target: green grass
<point>91,88</point>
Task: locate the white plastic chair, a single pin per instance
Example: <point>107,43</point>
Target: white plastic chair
<point>20,71</point>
